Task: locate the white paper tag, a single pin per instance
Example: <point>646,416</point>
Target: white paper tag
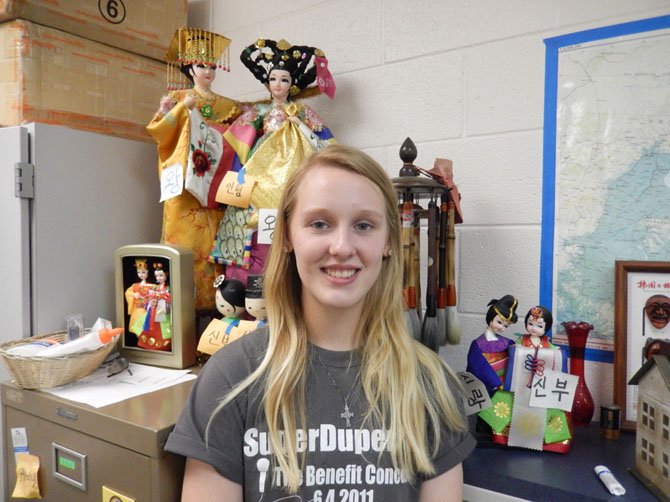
<point>553,389</point>
<point>20,440</point>
<point>476,397</point>
<point>172,182</point>
<point>266,225</point>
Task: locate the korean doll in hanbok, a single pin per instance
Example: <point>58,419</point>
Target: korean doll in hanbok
<point>271,139</point>
<point>487,357</point>
<point>157,332</point>
<point>137,297</point>
<point>193,157</point>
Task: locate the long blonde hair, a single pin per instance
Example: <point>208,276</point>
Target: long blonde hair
<point>405,383</point>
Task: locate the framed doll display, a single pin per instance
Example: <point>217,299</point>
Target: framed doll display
<point>155,304</point>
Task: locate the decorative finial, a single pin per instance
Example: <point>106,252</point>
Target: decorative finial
<point>408,156</point>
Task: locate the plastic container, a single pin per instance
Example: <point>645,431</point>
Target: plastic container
<point>89,341</point>
<point>32,348</point>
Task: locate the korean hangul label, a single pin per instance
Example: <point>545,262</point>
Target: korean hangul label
<point>172,181</point>
<point>476,397</point>
<point>267,218</point>
<point>235,192</point>
<point>220,333</point>
<point>553,389</point>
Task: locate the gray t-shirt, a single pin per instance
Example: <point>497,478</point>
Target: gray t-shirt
<point>342,463</point>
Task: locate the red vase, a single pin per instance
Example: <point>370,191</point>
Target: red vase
<point>582,406</point>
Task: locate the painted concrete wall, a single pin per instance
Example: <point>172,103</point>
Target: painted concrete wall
<point>464,80</point>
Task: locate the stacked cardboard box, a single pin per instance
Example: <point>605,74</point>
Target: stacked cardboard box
<point>50,76</point>
<point>70,63</point>
<point>144,27</point>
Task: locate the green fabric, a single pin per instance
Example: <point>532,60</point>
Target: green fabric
<point>557,429</point>
<point>499,414</point>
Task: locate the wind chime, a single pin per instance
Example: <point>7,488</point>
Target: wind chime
<point>438,324</point>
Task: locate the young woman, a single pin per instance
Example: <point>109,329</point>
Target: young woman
<point>334,399</point>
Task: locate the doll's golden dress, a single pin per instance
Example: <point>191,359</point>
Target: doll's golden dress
<point>136,305</point>
<point>270,146</point>
<point>185,221</point>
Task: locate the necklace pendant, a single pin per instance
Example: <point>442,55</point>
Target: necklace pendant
<point>347,414</point>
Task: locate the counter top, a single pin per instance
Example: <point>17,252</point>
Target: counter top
<point>545,476</point>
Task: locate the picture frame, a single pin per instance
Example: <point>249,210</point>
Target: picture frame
<point>641,315</point>
<point>155,304</point>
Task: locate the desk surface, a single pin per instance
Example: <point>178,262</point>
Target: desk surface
<point>548,476</point>
<point>141,423</point>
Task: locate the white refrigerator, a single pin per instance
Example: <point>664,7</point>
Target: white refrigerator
<point>69,199</point>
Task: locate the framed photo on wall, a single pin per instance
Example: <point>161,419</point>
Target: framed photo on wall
<point>155,304</point>
<point>641,317</point>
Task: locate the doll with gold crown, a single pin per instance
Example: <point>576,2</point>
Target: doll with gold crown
<point>271,138</point>
<point>137,297</point>
<point>193,157</point>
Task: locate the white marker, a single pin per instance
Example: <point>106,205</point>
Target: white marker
<point>609,480</point>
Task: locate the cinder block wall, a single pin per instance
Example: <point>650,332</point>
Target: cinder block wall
<point>464,80</point>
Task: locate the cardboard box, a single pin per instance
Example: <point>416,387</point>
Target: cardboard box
<point>144,27</point>
<point>50,76</point>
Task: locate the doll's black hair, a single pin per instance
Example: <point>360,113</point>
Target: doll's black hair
<point>186,70</point>
<point>232,291</point>
<point>505,308</point>
<point>264,56</point>
<point>544,313</point>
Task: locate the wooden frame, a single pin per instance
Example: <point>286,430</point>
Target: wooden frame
<point>635,283</point>
<point>174,320</point>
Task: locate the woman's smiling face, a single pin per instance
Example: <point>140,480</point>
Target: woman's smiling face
<point>338,233</point>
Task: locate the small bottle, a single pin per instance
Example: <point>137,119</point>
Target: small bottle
<point>608,479</point>
<point>89,341</point>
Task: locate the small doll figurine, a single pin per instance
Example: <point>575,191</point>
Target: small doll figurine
<point>254,301</point>
<point>487,357</point>
<point>157,330</point>
<point>538,322</point>
<point>136,297</point>
<point>229,299</point>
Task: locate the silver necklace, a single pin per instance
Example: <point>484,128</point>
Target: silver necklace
<point>347,415</point>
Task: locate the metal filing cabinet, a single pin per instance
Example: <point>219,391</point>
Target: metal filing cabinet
<point>119,446</point>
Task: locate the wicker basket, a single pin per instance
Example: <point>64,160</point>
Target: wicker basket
<point>42,372</point>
